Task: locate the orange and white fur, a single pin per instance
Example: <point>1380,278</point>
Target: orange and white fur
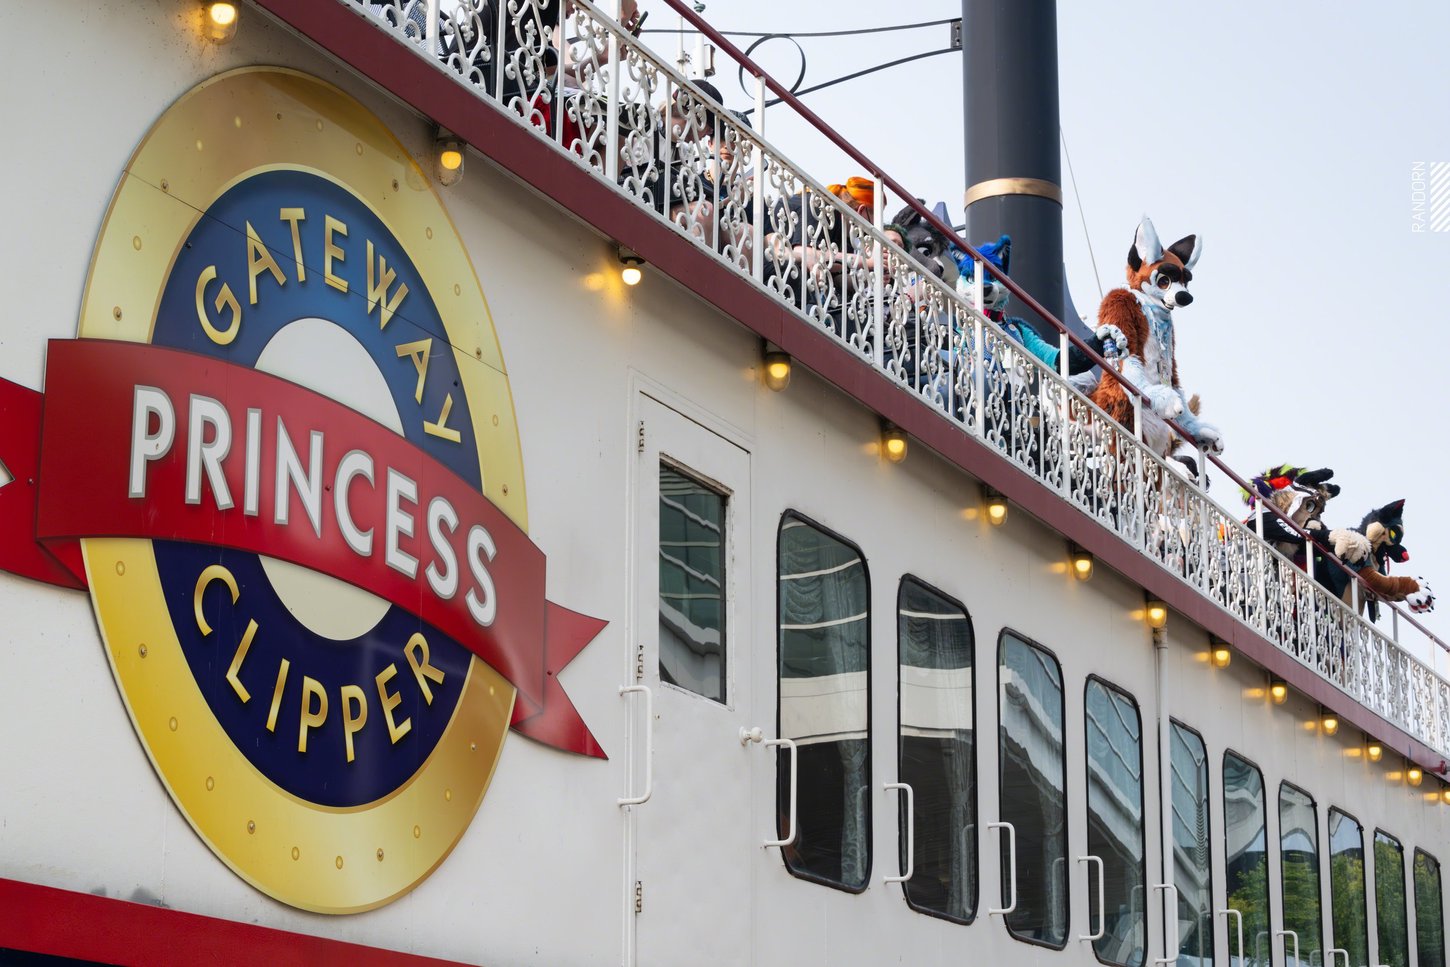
<point>1157,284</point>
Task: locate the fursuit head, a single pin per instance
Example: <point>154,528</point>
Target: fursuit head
<point>1158,281</point>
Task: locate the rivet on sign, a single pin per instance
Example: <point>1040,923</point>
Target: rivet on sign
<point>448,795</point>
<point>319,124</point>
<point>473,747</point>
<point>165,185</point>
<point>428,231</point>
<point>380,854</point>
<point>198,144</point>
<point>136,242</point>
<point>173,723</point>
<point>505,490</point>
<point>251,826</point>
<point>338,861</point>
<point>296,852</point>
<point>210,783</point>
<point>141,649</point>
<point>495,416</point>
<point>116,311</point>
<point>357,147</point>
<point>236,120</point>
<point>279,117</point>
<point>120,567</point>
<point>457,289</point>
<point>395,184</point>
<point>417,832</point>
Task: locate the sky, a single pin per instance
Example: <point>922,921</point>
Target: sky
<point>1283,133</point>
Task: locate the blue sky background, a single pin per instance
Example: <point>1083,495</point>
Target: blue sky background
<point>1283,133</point>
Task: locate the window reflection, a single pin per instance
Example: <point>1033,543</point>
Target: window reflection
<point>692,585</point>
<point>1391,929</point>
<point>825,704</point>
<point>1429,914</point>
<point>1192,867</point>
<point>938,749</point>
<point>1248,862</point>
<point>1346,887</point>
<point>1033,784</point>
<point>1299,872</point>
<point>1115,819</point>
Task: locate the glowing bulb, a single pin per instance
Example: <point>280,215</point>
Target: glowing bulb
<point>1082,563</point>
<point>1329,722</point>
<point>893,443</point>
<point>1414,775</point>
<point>221,21</point>
<point>448,153</point>
<point>1445,795</point>
<point>1222,655</point>
<point>996,506</point>
<point>1375,752</point>
<point>631,275</point>
<point>777,370</point>
<point>1157,614</point>
<point>1278,691</point>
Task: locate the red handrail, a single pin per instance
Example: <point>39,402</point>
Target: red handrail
<point>786,97</point>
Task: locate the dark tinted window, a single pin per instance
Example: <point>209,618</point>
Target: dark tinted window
<point>1192,866</point>
<point>1346,887</point>
<point>1114,734</point>
<point>1033,796</point>
<point>1429,912</point>
<point>825,650</point>
<point>938,749</point>
<point>1392,933</point>
<point>1245,846</point>
<point>692,585</point>
<point>1299,871</point>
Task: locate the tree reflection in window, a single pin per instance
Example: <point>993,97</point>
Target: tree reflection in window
<point>1192,866</point>
<point>1246,846</point>
<point>692,585</point>
<point>1391,929</point>
<point>1114,732</point>
<point>1346,887</point>
<point>1429,913</point>
<point>1033,788</point>
<point>825,648</point>
<point>1299,871</point>
<point>938,749</point>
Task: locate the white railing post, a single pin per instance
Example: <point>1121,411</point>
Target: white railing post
<point>878,275</point>
<point>500,45</point>
<point>757,186</point>
<point>430,32</point>
<point>611,120</point>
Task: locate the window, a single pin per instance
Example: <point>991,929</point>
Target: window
<point>1033,788</point>
<point>1391,930</point>
<point>938,749</point>
<point>825,704</point>
<point>692,585</point>
<point>1192,867</point>
<point>1429,916</point>
<point>1299,871</point>
<point>1114,733</point>
<point>1346,887</point>
<point>1246,846</point>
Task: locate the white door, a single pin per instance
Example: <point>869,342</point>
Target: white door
<point>693,840</point>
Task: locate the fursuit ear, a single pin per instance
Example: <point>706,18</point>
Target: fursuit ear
<point>1188,249</point>
<point>1146,247</point>
<point>1392,511</point>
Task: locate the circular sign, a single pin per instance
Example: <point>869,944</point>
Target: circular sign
<point>328,744</point>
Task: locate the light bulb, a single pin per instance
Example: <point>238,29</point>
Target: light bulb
<point>893,443</point>
<point>220,21</point>
<point>1157,614</point>
<point>1278,691</point>
<point>1082,563</point>
<point>1374,752</point>
<point>777,370</point>
<point>996,506</point>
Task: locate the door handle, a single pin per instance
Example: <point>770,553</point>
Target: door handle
<point>649,744</point>
<point>1011,868</point>
<point>1102,901</point>
<point>910,794</point>
<point>748,736</point>
<point>1170,953</point>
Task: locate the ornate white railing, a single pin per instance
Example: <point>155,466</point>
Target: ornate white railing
<point>723,187</point>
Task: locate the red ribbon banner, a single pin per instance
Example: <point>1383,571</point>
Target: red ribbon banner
<point>144,442</point>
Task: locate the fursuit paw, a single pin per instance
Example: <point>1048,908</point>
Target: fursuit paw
<point>1351,546</point>
<point>1210,438</point>
<point>1113,340</point>
<point>1423,600</point>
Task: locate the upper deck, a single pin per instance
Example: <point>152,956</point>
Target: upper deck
<point>883,330</point>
